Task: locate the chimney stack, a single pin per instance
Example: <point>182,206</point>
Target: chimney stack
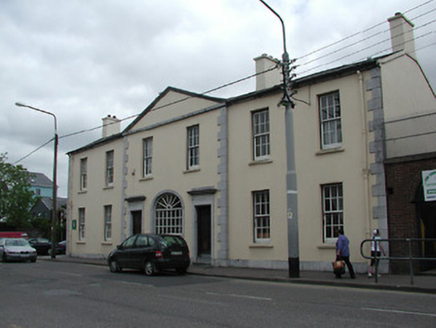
<point>111,125</point>
<point>271,78</point>
<point>402,38</point>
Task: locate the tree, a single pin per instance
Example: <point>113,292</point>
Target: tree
<point>16,198</point>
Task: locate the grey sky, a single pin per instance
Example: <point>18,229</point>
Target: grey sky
<point>83,60</point>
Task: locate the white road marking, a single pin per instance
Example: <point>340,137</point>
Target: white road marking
<point>242,296</point>
<point>401,312</point>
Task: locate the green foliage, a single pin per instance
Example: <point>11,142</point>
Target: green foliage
<point>16,198</point>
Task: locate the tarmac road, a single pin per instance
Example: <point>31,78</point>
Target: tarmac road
<point>64,294</point>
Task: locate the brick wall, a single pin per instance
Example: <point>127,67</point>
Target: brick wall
<point>403,186</point>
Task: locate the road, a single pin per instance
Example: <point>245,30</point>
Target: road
<point>55,294</point>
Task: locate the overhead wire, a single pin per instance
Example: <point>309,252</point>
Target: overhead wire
<point>34,151</point>
<point>365,39</point>
<point>274,67</point>
<point>176,101</point>
<point>360,32</point>
<point>362,40</point>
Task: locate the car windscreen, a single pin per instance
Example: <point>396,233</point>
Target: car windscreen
<point>16,242</point>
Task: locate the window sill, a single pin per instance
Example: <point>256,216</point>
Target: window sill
<point>192,170</point>
<point>339,149</point>
<point>326,246</point>
<point>260,245</point>
<point>108,187</point>
<point>82,192</point>
<point>106,243</point>
<point>147,178</point>
<point>260,162</point>
<point>80,242</point>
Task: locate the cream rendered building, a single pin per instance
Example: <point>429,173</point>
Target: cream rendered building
<point>213,170</point>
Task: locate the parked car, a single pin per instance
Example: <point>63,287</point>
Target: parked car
<point>61,247</point>
<point>16,249</point>
<point>151,253</point>
<point>42,245</point>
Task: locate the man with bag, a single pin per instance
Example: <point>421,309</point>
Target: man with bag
<point>343,253</point>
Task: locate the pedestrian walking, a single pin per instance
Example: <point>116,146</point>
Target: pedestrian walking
<point>343,253</point>
<point>376,251</point>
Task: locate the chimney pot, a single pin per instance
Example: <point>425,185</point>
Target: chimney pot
<point>111,125</point>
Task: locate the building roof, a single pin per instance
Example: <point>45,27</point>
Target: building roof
<point>40,180</point>
<point>325,75</point>
<point>48,202</point>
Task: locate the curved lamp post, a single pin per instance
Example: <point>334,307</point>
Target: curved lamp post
<point>291,175</point>
<point>54,211</point>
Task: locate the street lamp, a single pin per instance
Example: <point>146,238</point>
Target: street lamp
<point>291,175</point>
<point>55,162</point>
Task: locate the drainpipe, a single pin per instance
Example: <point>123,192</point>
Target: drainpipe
<point>365,166</point>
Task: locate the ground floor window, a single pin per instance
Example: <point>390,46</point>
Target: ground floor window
<point>261,211</point>
<point>81,223</point>
<point>107,222</point>
<point>333,210</point>
<point>168,214</point>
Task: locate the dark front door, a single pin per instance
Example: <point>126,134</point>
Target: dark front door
<point>204,234</point>
<point>427,224</point>
<point>136,222</point>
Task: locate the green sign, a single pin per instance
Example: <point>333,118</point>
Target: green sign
<point>74,224</point>
<point>429,185</point>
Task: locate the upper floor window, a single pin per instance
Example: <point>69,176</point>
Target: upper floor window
<point>333,210</point>
<point>261,138</point>
<point>107,222</point>
<point>193,147</point>
<point>168,215</point>
<point>110,168</point>
<point>148,155</point>
<point>261,209</point>
<point>83,173</point>
<point>330,120</point>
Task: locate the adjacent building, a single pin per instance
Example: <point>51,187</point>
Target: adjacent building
<point>213,169</point>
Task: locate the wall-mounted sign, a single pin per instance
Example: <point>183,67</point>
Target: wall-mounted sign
<point>429,185</point>
<point>74,224</point>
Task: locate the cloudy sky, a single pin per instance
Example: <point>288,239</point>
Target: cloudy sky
<point>85,59</point>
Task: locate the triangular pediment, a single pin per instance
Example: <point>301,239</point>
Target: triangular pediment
<point>172,104</point>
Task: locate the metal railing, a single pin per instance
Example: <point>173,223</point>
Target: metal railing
<point>410,258</point>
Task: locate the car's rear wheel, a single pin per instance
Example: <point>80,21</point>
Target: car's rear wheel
<point>4,258</point>
<point>114,266</point>
<point>149,268</point>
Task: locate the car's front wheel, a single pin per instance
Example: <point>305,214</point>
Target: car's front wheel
<point>114,266</point>
<point>149,268</point>
<point>4,258</point>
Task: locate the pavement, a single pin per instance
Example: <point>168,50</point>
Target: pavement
<point>422,283</point>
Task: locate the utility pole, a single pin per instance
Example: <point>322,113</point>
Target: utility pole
<point>291,175</point>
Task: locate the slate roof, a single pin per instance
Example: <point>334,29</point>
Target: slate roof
<point>40,180</point>
<point>48,202</point>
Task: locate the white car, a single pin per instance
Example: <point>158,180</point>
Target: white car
<point>16,249</point>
